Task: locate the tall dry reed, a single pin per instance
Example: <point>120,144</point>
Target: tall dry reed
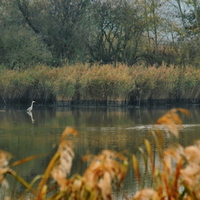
<point>106,83</point>
<point>177,174</point>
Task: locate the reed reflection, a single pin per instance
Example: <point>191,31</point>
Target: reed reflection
<point>31,116</point>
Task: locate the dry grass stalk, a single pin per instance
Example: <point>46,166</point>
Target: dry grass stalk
<point>19,162</point>
<point>106,169</point>
<point>64,163</point>
<point>146,194</point>
<point>59,166</point>
<point>180,169</point>
<point>145,158</point>
<point>4,160</point>
<point>159,142</point>
<point>171,121</point>
<point>136,168</point>
<point>105,82</point>
<point>190,173</point>
<point>150,154</point>
<point>178,174</point>
<point>169,175</point>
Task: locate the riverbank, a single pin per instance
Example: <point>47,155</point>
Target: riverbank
<point>103,85</point>
<point>152,102</point>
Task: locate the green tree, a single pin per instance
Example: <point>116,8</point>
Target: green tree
<point>156,15</point>
<point>57,22</point>
<point>116,31</point>
<point>19,45</point>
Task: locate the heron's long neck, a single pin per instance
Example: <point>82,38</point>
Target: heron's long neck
<point>31,104</point>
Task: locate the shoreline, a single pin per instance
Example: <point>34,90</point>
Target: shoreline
<point>109,103</point>
<point>103,103</point>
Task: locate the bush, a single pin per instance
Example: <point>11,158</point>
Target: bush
<point>22,48</point>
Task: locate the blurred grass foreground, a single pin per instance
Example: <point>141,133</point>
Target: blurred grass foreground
<point>175,170</point>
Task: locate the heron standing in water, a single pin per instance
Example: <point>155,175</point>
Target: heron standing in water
<point>31,107</point>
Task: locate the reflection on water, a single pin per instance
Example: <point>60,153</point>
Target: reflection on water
<point>24,134</point>
<point>31,116</point>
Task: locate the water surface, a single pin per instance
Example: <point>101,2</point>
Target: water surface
<point>119,129</point>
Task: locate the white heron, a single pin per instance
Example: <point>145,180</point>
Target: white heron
<point>31,107</point>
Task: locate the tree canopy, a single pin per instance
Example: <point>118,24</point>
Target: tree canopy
<point>55,32</point>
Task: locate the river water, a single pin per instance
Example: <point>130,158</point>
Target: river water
<point>119,129</point>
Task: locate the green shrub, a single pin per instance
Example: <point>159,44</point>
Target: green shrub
<point>21,48</point>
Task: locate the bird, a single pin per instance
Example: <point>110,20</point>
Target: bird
<point>31,107</point>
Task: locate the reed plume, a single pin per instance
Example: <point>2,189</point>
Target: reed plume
<point>4,168</point>
<point>171,120</point>
<point>146,194</point>
<point>64,162</point>
<point>177,176</point>
<point>106,169</point>
<point>59,166</point>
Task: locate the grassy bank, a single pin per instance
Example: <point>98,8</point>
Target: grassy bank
<point>99,83</point>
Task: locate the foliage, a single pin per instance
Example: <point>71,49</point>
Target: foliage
<point>90,31</point>
<point>21,48</point>
<point>117,29</point>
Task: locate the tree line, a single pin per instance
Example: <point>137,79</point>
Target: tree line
<point>56,32</point>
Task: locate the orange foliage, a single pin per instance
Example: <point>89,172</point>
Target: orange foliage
<point>171,120</point>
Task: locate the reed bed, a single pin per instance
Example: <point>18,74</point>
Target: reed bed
<point>100,83</point>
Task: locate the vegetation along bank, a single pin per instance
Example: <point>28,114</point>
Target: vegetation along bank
<point>100,85</point>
